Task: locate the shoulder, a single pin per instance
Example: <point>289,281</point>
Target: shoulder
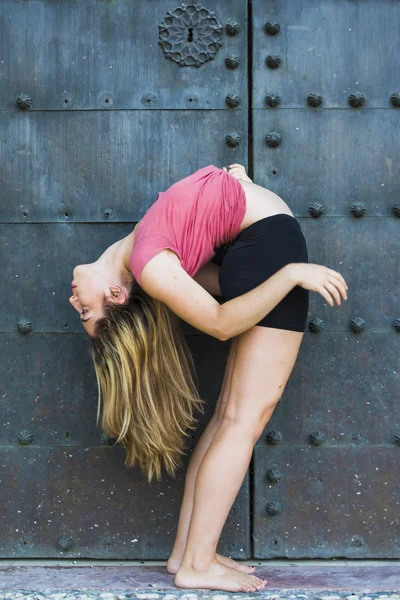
<point>146,248</point>
<point>152,264</point>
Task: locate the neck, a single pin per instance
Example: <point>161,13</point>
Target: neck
<point>116,258</point>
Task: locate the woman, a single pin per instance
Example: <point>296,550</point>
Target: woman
<point>129,301</point>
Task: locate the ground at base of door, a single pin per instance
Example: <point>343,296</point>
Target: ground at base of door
<point>293,580</point>
<point>184,595</point>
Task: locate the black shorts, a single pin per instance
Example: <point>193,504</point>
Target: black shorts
<point>259,251</point>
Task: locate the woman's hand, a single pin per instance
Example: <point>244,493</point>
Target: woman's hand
<point>319,278</point>
<point>238,172</point>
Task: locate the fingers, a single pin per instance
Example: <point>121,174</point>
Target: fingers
<point>339,276</point>
<point>326,295</point>
<point>329,286</point>
<point>334,287</point>
<point>241,177</point>
<point>239,172</point>
<point>342,287</point>
<point>338,281</point>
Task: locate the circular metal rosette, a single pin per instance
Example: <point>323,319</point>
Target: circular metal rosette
<point>190,35</point>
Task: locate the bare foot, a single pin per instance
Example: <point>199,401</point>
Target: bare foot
<point>173,564</point>
<point>229,562</point>
<point>218,577</point>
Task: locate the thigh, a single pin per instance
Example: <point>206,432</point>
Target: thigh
<point>264,359</point>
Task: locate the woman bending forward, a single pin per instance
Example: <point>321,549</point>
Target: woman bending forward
<point>130,300</point>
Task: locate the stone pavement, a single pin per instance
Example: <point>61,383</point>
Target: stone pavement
<point>131,580</point>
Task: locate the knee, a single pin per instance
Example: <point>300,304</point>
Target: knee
<point>250,425</point>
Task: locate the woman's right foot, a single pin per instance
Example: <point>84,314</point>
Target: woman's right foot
<point>218,577</point>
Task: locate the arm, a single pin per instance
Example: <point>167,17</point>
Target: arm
<point>166,281</point>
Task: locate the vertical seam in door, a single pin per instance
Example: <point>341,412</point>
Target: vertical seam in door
<point>251,175</point>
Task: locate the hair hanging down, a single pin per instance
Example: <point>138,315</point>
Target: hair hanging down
<point>145,376</point>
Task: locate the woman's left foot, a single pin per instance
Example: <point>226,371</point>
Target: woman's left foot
<point>173,566</point>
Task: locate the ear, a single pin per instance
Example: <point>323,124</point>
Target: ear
<point>118,295</point>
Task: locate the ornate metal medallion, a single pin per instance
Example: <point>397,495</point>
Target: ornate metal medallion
<point>190,35</point>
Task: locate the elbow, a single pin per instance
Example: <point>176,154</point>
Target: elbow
<point>221,330</point>
<point>225,338</point>
<point>222,334</point>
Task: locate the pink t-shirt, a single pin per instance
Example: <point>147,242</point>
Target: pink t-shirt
<point>192,217</point>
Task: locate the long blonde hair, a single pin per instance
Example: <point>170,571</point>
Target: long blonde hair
<point>145,375</point>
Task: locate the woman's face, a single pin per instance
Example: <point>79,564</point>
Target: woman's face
<point>89,295</point>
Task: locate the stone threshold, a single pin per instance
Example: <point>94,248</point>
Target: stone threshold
<point>118,580</point>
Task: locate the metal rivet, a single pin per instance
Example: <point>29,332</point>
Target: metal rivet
<point>25,437</point>
<point>232,100</point>
<point>24,101</point>
<point>274,437</point>
<point>396,325</point>
<point>65,542</point>
<point>358,210</point>
<point>24,326</point>
<point>396,209</point>
<point>356,99</point>
<point>273,139</point>
<point>272,100</point>
<point>316,325</point>
<point>395,100</point>
<point>357,541</point>
<point>232,61</point>
<point>274,475</point>
<point>317,438</point>
<point>314,99</point>
<point>316,210</point>
<point>273,61</point>
<point>232,28</point>
<point>233,139</point>
<point>396,438</point>
<point>274,508</point>
<point>272,27</point>
<point>357,325</point>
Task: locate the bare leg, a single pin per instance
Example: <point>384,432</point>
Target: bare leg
<point>197,456</point>
<point>263,363</point>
